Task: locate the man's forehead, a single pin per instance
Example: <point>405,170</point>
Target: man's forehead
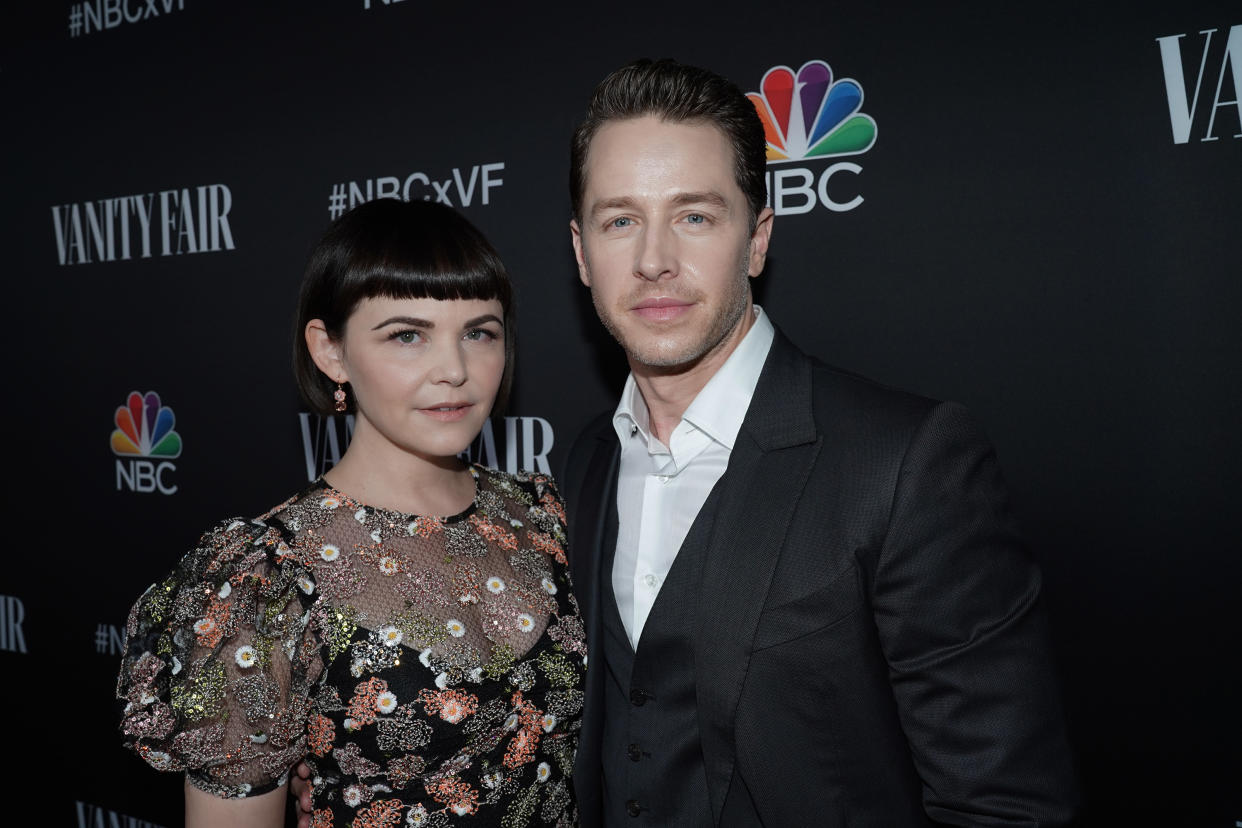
<point>655,156</point>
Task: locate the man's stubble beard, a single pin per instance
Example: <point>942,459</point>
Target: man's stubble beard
<point>669,356</point>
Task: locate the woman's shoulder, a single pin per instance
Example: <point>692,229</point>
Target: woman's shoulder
<point>235,552</point>
<point>541,505</point>
<point>534,484</point>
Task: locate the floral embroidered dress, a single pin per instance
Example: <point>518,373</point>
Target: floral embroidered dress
<point>429,669</point>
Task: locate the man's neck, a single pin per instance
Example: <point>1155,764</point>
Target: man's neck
<point>668,392</point>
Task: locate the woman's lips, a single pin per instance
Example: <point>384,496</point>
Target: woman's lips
<point>448,412</point>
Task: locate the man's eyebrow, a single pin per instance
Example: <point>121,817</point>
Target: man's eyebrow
<point>707,197</point>
<point>412,321</point>
<point>711,197</point>
<point>619,203</point>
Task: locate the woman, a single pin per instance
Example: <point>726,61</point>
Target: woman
<point>404,625</point>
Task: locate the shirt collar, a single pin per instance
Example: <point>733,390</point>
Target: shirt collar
<point>720,407</point>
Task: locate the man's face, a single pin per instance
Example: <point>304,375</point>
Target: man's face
<point>665,243</point>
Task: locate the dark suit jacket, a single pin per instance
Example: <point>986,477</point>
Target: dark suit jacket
<point>870,648</point>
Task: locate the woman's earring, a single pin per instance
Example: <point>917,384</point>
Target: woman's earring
<point>339,396</point>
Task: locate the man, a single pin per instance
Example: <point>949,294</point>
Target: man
<point>805,600</point>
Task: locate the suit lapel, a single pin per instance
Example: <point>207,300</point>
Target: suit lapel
<point>768,469</point>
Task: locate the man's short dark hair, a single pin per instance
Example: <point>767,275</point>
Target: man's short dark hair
<point>677,93</point>
<point>399,250</point>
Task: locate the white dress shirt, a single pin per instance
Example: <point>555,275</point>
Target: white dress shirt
<point>660,489</point>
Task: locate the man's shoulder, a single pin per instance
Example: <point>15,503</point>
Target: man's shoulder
<point>839,396</point>
<point>588,439</point>
<point>598,426</point>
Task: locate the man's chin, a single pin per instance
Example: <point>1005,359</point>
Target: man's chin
<point>664,358</point>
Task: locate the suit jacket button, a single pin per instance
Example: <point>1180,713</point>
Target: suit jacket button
<point>632,808</point>
<point>637,697</point>
<point>634,752</point>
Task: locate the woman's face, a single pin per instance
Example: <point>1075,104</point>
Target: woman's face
<point>424,372</point>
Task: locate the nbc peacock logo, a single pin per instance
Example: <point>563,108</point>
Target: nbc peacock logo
<point>808,116</point>
<point>145,442</point>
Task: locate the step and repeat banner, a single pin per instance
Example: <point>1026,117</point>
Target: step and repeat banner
<point>1037,215</point>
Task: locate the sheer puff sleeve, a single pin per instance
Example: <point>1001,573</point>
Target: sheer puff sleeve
<point>220,658</point>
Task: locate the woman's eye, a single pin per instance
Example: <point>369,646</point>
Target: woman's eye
<point>406,337</point>
<point>480,335</point>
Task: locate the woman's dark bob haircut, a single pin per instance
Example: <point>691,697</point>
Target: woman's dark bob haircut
<point>399,250</point>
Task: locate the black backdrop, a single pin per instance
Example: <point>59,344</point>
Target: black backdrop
<point>1041,235</point>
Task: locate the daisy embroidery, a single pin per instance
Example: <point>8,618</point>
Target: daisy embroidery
<point>361,515</point>
<point>417,816</point>
<point>495,585</point>
<point>525,622</point>
<point>385,702</point>
<point>388,565</point>
<point>330,502</point>
<point>245,656</point>
<point>391,636</point>
<point>548,722</point>
<point>548,586</point>
<point>453,711</point>
<point>204,626</point>
<point>306,584</point>
<point>543,771</point>
<point>158,759</point>
<point>352,796</point>
<point>329,552</point>
<point>455,628</point>
<point>226,589</point>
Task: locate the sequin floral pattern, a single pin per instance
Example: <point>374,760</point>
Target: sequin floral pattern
<point>429,669</point>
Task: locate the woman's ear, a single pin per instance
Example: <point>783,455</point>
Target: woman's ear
<point>325,351</point>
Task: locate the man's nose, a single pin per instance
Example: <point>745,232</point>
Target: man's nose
<point>657,254</point>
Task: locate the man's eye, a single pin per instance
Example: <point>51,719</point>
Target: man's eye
<point>696,218</point>
<point>620,222</point>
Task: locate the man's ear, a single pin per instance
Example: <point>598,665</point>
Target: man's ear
<point>575,236</point>
<point>759,242</point>
<point>325,351</point>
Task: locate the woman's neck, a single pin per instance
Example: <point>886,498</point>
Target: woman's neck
<point>378,473</point>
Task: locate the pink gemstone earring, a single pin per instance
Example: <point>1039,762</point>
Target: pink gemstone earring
<point>339,396</point>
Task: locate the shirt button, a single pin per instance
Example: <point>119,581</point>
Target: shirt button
<point>632,808</point>
<point>637,697</point>
<point>634,752</point>
<point>663,478</point>
<point>651,581</point>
